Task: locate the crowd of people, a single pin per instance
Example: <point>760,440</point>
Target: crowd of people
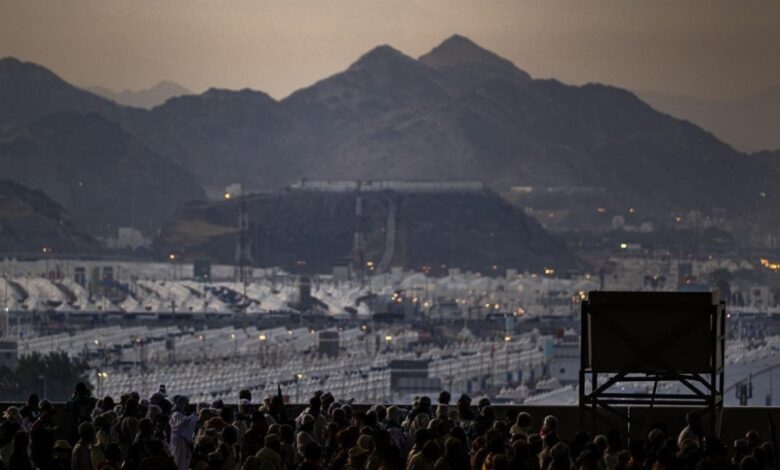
<point>162,432</point>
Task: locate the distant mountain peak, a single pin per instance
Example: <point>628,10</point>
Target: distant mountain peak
<point>143,98</point>
<point>461,52</point>
<point>382,55</point>
<point>13,68</point>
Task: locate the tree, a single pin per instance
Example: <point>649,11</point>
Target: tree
<point>55,372</point>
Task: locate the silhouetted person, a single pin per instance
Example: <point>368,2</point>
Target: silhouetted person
<point>79,407</point>
<point>42,437</point>
<point>19,459</point>
<point>81,459</point>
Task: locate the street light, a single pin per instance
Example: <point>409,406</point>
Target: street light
<point>298,378</point>
<point>101,375</point>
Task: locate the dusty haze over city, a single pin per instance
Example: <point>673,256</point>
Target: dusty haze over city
<point>706,49</point>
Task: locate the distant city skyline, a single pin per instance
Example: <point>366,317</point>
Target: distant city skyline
<point>713,50</point>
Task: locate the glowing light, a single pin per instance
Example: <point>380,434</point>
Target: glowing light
<point>507,339</point>
<point>389,338</point>
<point>262,337</point>
<point>172,256</point>
<point>770,264</point>
<point>228,196</point>
<point>549,271</point>
<point>623,246</point>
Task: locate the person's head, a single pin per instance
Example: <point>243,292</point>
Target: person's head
<point>32,401</point>
<point>444,397</point>
<point>272,442</point>
<point>559,454</point>
<point>431,451</point>
<point>421,436</point>
<point>81,390</point>
<point>500,462</point>
<point>366,442</point>
<point>113,453</point>
<point>523,420</point>
<point>425,403</point>
<point>229,435</point>
<point>315,404</point>
<point>752,438</point>
<point>245,395</point>
<point>693,420</point>
<point>307,423</point>
<point>550,439</point>
<point>741,449</point>
<point>86,432</point>
<point>357,456</point>
<point>62,450</point>
<point>258,419</point>
<point>227,414</point>
<point>452,449</point>
<point>714,447</point>
<point>464,403</point>
<point>483,402</point>
<point>146,427</point>
<point>770,454</point>
<point>748,463</point>
<point>535,443</point>
<point>286,434</point>
<point>45,406</point>
<point>443,411</point>
<point>550,423</point>
<point>131,408</point>
<point>760,455</point>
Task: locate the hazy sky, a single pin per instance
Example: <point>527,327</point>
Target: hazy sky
<point>704,48</point>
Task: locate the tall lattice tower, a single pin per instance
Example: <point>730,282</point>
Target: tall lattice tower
<point>244,259</point>
<point>359,243</point>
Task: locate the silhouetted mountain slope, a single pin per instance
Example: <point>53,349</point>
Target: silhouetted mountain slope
<point>464,64</point>
<point>30,222</point>
<point>29,91</point>
<point>223,136</point>
<point>315,230</point>
<point>750,123</point>
<point>146,98</point>
<point>103,176</point>
<point>459,112</point>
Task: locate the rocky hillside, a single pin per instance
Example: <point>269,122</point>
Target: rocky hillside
<point>31,222</point>
<point>313,231</point>
<point>99,173</point>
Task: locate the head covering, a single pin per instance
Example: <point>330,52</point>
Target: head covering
<point>356,452</point>
<point>395,414</point>
<point>366,442</point>
<point>61,444</point>
<point>181,403</point>
<point>12,413</point>
<point>307,419</point>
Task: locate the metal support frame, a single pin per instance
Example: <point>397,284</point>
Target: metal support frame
<point>704,389</point>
